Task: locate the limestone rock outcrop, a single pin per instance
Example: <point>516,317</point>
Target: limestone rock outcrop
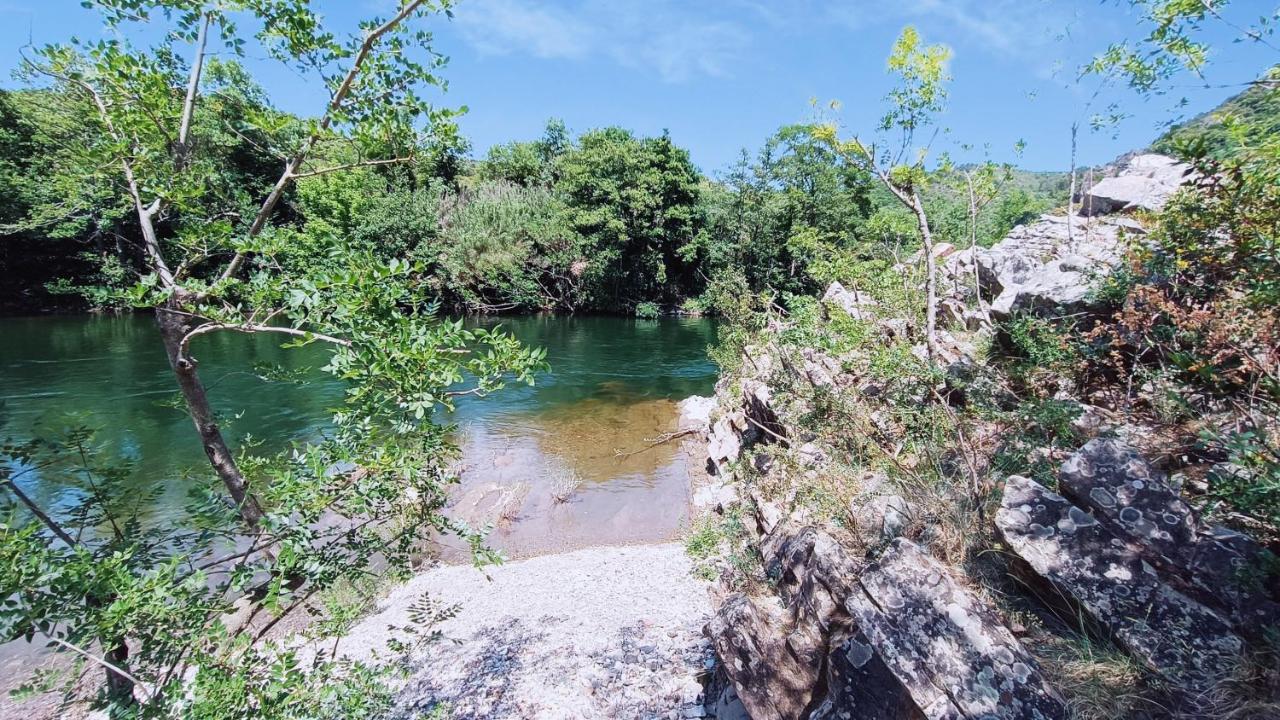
<point>1145,183</point>
<point>1050,265</point>
<point>1219,567</point>
<point>1105,579</point>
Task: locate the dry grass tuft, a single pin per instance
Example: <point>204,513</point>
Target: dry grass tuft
<point>1098,681</point>
<point>565,483</point>
<point>511,502</point>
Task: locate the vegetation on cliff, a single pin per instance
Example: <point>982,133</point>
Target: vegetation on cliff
<point>888,414</point>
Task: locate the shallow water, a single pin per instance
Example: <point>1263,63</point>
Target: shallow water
<point>613,386</point>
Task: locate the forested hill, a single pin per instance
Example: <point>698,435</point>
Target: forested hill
<point>601,221</point>
<point>1245,119</point>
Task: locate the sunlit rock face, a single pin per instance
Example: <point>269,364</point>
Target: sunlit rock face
<point>1145,183</point>
<point>1217,566</point>
<point>1106,580</point>
<point>1049,266</point>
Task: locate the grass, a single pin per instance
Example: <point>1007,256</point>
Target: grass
<point>564,482</point>
<point>1098,681</point>
<point>717,543</point>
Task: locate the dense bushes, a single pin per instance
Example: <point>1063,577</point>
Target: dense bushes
<point>606,221</point>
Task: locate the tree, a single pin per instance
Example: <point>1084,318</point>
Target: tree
<point>218,257</point>
<point>635,203</point>
<point>913,104</point>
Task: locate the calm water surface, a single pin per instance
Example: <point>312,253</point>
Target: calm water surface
<point>613,385</point>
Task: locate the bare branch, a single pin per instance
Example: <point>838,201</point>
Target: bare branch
<point>146,689</point>
<point>339,96</point>
<point>193,86</point>
<point>255,328</point>
<point>350,166</point>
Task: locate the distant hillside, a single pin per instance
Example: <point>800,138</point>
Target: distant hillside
<point>1246,120</point>
<point>1050,183</point>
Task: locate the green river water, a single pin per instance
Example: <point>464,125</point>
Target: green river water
<point>613,385</point>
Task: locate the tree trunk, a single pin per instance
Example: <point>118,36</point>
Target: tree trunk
<point>119,687</point>
<point>174,325</point>
<point>930,277</point>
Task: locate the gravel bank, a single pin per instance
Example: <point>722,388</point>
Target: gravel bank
<point>603,632</point>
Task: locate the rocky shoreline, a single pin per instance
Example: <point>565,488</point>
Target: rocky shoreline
<point>876,616</point>
<point>880,615</point>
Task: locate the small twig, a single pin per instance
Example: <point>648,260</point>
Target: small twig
<point>655,442</point>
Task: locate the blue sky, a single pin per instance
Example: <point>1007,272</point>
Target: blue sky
<point>722,75</point>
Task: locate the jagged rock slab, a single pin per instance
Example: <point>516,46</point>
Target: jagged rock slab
<point>947,647</point>
<point>1134,501</point>
<point>1170,633</point>
<point>1147,182</point>
<point>773,671</point>
<point>861,687</point>
<point>724,439</point>
<point>802,658</point>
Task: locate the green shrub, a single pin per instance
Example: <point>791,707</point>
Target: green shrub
<point>648,311</point>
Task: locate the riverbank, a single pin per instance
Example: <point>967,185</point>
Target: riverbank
<point>572,464</point>
<point>601,632</point>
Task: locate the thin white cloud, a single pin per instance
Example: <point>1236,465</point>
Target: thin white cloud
<point>500,27</point>
<point>667,37</point>
<point>1012,28</point>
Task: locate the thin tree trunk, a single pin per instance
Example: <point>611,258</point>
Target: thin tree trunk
<point>174,325</point>
<point>1071,191</point>
<point>973,237</point>
<point>119,687</point>
<point>930,279</point>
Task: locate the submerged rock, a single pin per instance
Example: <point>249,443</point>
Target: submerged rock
<point>1219,567</point>
<point>1106,579</point>
<point>947,647</point>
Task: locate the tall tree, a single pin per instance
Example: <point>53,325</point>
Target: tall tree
<point>217,258</point>
<point>897,161</point>
<point>209,263</point>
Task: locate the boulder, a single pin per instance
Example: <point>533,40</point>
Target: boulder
<point>879,513</point>
<point>1056,287</point>
<point>1044,266</point>
<point>1219,567</point>
<point>859,305</point>
<point>947,647</point>
<point>1104,579</point>
<point>772,670</point>
<point>1146,183</point>
<point>716,495</point>
<point>695,412</point>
